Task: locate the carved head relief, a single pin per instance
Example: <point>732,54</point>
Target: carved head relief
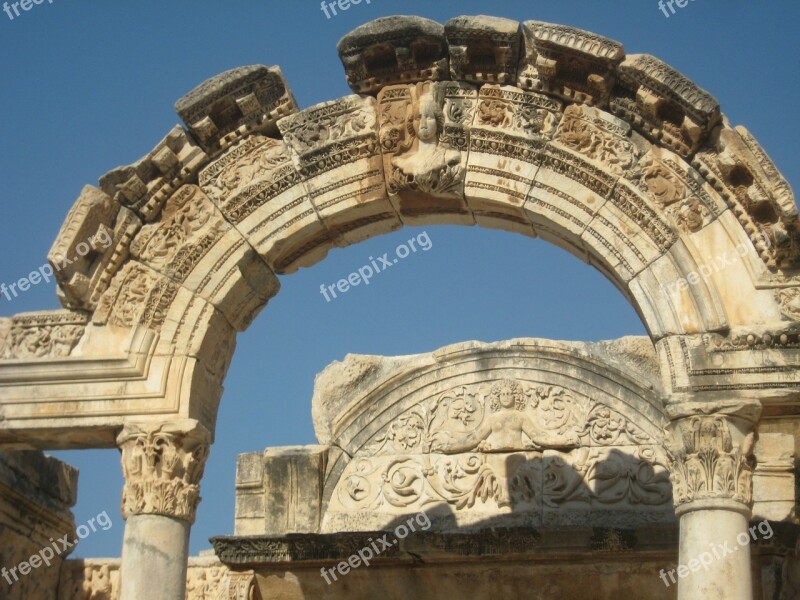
<point>507,394</point>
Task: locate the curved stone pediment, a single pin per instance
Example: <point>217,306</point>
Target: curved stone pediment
<point>521,432</point>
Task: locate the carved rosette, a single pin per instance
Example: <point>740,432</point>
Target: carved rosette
<point>163,464</point>
<point>709,467</point>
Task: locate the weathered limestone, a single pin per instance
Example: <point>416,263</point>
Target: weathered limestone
<point>663,104</point>
<point>615,189</point>
<point>573,64</point>
<point>36,495</point>
<point>535,128</point>
<point>711,468</point>
<point>206,579</point>
<point>329,143</point>
<point>469,434</point>
<point>280,490</point>
<point>257,188</point>
<point>483,49</point>
<point>163,464</point>
<point>393,50</point>
<point>424,140</point>
<point>524,450</point>
<point>235,104</point>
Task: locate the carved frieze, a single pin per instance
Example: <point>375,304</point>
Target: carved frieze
<point>504,447</point>
<point>599,136</point>
<point>511,126</point>
<point>606,476</point>
<point>678,190</point>
<point>188,228</point>
<point>43,335</point>
<point>789,301</point>
<point>335,147</point>
<point>137,296</point>
<point>256,186</point>
<point>163,464</point>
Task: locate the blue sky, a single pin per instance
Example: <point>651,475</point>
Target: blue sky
<point>89,86</point>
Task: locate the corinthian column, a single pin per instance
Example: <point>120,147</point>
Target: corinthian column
<point>163,463</point>
<point>711,467</point>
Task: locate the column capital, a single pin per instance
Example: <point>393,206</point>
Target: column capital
<point>711,457</point>
<point>163,462</point>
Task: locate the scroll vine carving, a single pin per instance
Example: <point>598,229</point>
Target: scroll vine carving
<point>511,443</point>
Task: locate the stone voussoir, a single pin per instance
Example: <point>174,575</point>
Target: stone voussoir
<point>483,49</point>
<point>392,50</point>
<point>232,105</point>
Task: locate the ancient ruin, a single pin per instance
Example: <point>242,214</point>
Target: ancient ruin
<point>526,464</point>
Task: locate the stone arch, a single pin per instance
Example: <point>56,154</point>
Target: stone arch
<point>619,159</point>
<point>531,127</point>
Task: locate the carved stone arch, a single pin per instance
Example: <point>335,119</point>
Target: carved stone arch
<point>619,159</point>
<point>531,127</point>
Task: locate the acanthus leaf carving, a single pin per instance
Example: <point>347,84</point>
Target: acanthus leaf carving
<point>705,464</point>
<point>163,464</point>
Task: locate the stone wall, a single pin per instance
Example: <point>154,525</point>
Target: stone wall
<point>36,494</point>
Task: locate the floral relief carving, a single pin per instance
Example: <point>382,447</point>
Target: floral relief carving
<point>677,193</point>
<point>606,476</point>
<point>163,465</point>
<point>789,301</point>
<point>43,335</point>
<point>330,123</point>
<point>247,162</point>
<point>188,227</point>
<point>706,464</point>
<point>598,139</point>
<point>663,184</point>
<point>510,443</point>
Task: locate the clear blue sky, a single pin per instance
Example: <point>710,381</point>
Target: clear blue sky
<point>87,86</point>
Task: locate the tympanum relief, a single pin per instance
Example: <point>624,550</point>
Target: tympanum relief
<point>507,447</point>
